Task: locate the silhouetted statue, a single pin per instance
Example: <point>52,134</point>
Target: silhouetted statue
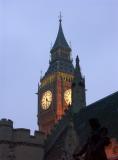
<point>94,149</point>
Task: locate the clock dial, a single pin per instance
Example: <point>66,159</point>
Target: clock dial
<point>67,96</point>
<point>46,100</point>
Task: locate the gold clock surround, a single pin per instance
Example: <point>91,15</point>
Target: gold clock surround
<point>46,100</point>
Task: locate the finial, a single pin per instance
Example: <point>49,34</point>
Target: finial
<point>60,18</point>
<point>77,58</point>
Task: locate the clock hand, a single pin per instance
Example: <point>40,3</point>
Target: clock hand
<point>47,100</point>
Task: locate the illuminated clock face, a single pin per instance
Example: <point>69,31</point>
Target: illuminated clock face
<point>46,100</point>
<point>67,96</point>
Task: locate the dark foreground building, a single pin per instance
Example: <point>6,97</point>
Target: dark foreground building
<point>62,114</point>
<point>73,130</point>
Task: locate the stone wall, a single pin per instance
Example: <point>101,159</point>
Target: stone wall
<point>18,144</point>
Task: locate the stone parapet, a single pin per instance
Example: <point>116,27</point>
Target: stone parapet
<point>6,122</point>
<point>6,127</point>
<point>20,135</point>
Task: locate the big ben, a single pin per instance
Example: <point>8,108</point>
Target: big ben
<point>54,91</point>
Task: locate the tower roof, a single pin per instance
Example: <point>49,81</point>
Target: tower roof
<point>60,41</point>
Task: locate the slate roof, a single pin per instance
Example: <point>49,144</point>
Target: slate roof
<point>106,110</point>
<point>60,66</point>
<point>61,63</point>
<point>60,40</point>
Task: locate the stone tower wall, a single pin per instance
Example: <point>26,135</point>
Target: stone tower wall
<point>19,144</point>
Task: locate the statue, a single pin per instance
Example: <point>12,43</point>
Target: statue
<point>94,147</point>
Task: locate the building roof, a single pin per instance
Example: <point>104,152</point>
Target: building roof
<point>61,60</point>
<point>106,110</point>
<point>60,41</point>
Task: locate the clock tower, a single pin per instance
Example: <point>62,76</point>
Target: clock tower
<point>54,91</point>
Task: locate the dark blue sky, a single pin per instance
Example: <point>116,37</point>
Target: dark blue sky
<point>27,29</point>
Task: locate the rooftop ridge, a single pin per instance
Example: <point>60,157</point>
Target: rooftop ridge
<point>102,99</point>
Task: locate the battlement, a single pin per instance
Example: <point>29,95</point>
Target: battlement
<point>6,122</point>
<point>19,135</point>
<point>23,135</point>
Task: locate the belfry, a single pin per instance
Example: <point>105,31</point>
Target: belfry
<point>54,91</point>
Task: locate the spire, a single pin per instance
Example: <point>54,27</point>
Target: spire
<point>77,62</point>
<point>78,89</point>
<point>77,68</point>
<point>60,40</point>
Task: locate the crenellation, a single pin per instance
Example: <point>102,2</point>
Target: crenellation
<point>21,134</point>
<point>6,127</point>
<point>6,122</point>
<point>37,138</point>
